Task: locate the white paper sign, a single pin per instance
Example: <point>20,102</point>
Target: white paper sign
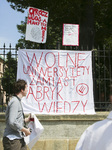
<point>36,29</point>
<point>71,34</point>
<point>37,130</point>
<point>59,81</point>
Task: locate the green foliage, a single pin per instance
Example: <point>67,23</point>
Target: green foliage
<point>103,22</point>
<point>94,17</point>
<point>95,20</point>
<point>60,12</point>
<point>9,75</point>
<point>53,32</point>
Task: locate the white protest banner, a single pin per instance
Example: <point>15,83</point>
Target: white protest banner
<point>71,34</point>
<point>59,81</point>
<point>36,29</point>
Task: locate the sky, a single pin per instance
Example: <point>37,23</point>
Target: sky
<point>9,19</point>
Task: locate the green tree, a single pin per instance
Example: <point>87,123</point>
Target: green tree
<point>52,31</point>
<point>93,16</point>
<point>75,12</point>
<point>95,20</point>
<point>103,22</point>
<point>9,75</point>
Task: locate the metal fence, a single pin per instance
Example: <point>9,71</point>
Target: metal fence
<point>102,75</point>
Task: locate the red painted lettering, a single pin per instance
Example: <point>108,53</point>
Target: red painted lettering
<point>77,103</point>
<point>84,105</point>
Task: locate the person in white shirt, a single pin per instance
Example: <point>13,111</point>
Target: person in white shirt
<point>97,136</point>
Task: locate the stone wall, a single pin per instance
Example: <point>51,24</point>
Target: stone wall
<point>61,132</point>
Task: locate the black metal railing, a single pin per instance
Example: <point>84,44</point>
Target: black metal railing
<point>102,74</point>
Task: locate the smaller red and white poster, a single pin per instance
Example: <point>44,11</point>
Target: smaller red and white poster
<point>36,29</point>
<point>71,34</point>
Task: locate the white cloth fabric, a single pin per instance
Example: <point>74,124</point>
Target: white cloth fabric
<point>59,82</point>
<point>12,137</point>
<point>98,136</point>
<point>37,130</point>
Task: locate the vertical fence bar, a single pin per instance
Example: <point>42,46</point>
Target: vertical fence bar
<point>4,57</point>
<point>3,72</point>
<point>104,74</point>
<point>58,45</point>
<point>110,66</point>
<point>9,67</point>
<point>99,80</point>
<point>98,61</point>
<point>94,71</point>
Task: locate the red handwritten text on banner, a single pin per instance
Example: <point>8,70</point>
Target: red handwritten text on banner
<point>59,82</point>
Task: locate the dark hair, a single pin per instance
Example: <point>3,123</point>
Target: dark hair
<point>19,85</point>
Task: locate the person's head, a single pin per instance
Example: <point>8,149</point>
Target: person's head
<point>20,86</point>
